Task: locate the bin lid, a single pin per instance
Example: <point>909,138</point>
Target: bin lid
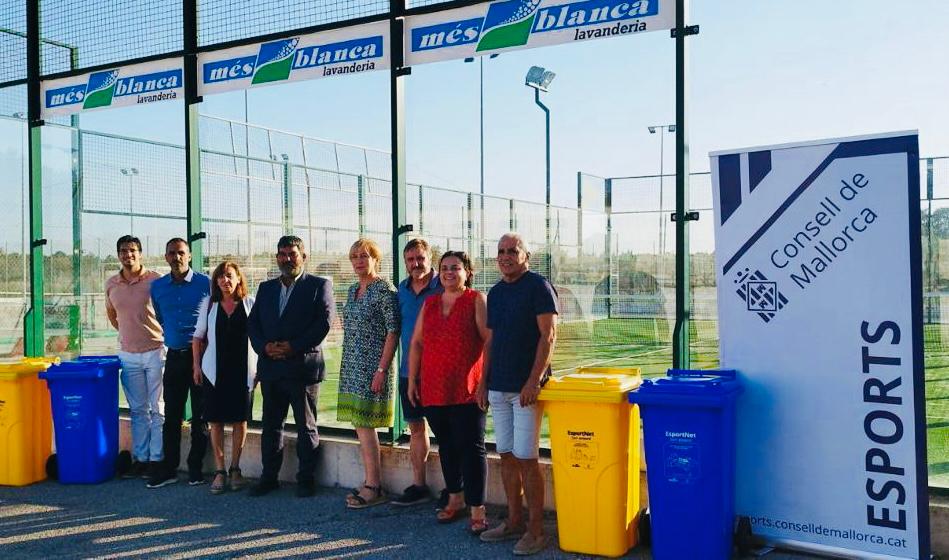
<point>691,382</point>
<point>105,360</point>
<point>74,370</point>
<point>592,385</point>
<point>11,371</point>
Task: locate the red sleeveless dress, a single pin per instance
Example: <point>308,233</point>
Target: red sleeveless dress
<point>451,351</point>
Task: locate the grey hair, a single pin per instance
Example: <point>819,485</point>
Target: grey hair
<point>521,244</point>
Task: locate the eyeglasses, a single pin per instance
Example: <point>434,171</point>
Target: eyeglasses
<point>512,251</point>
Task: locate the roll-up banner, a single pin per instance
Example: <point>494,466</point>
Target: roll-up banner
<point>817,250</point>
<point>339,52</point>
<point>489,28</point>
<point>137,84</point>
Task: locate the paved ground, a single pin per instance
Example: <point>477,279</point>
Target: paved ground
<point>123,519</point>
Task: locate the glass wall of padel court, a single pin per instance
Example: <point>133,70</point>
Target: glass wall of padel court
<point>637,288</point>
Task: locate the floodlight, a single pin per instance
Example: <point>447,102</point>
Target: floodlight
<point>652,130</point>
<point>539,78</point>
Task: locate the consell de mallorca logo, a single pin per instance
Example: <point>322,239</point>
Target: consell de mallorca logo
<point>102,88</point>
<point>511,23</point>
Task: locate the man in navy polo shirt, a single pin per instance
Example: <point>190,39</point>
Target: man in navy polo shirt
<point>421,283</point>
<point>176,297</point>
<point>522,309</point>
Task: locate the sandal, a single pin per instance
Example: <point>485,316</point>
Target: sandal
<point>219,484</point>
<point>355,501</point>
<point>238,482</point>
<point>477,526</point>
<point>449,515</point>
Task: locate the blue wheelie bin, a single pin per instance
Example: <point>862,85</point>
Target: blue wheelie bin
<point>689,435</point>
<point>85,403</point>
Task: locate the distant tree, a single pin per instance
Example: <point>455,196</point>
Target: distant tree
<point>938,222</point>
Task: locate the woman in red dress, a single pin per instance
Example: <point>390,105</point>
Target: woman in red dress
<point>444,371</point>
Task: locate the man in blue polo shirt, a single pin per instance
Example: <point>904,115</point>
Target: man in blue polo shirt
<point>421,283</point>
<point>522,310</point>
<point>176,297</point>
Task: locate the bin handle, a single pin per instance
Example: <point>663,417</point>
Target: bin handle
<point>726,374</point>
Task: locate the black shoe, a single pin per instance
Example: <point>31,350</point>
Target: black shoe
<point>162,478</point>
<point>413,495</point>
<point>306,489</point>
<point>443,499</point>
<point>196,479</point>
<point>263,488</point>
<point>138,469</point>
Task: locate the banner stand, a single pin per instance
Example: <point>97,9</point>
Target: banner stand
<point>818,260</point>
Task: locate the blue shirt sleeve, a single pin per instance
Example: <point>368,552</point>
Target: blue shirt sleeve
<point>153,289</point>
<point>544,297</point>
<point>492,300</point>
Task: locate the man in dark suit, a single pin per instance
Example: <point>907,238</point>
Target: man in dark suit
<point>287,325</point>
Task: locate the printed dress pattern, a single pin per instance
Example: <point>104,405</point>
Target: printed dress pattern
<point>366,322</point>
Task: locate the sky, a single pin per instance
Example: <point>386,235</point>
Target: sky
<point>759,73</point>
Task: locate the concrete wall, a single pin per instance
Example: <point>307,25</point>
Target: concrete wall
<point>339,465</point>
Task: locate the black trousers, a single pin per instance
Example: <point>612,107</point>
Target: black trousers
<point>279,395</point>
<point>459,432</point>
<point>177,382</point>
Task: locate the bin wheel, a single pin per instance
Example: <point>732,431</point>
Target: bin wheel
<point>123,462</point>
<point>645,528</point>
<point>52,467</point>
<point>744,539</point>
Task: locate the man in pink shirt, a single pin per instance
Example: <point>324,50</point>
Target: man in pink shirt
<point>128,305</point>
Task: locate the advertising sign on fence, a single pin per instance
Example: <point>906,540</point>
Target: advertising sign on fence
<point>819,300</point>
<point>523,24</point>
<point>137,84</point>
<point>339,52</point>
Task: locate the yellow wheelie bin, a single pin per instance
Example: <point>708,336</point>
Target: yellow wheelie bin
<point>594,447</point>
<point>26,422</point>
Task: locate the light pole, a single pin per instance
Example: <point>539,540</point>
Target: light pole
<point>661,129</point>
<point>130,172</point>
<point>481,145</point>
<point>539,79</point>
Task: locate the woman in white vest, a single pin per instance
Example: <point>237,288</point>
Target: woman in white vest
<point>225,363</point>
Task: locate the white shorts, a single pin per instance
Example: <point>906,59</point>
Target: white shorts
<point>516,427</point>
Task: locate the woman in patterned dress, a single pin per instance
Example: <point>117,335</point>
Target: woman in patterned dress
<point>444,371</point>
<point>370,336</point>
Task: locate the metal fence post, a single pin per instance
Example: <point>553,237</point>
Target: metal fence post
<point>361,204</point>
<point>932,246</point>
<point>579,215</point>
<point>421,210</point>
<point>34,320</point>
<point>75,315</point>
<point>680,337</point>
<point>287,196</point>
<point>192,137</point>
<point>470,225</point>
<point>608,245</point>
<point>397,73</point>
